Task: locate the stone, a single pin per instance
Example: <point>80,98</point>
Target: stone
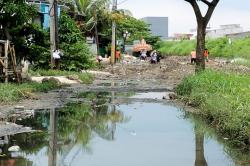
<point>172,96</point>
<point>73,77</point>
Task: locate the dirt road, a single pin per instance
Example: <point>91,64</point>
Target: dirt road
<point>137,76</point>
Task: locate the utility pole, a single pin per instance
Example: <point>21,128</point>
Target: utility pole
<point>53,12</point>
<point>56,24</point>
<point>52,138</point>
<point>114,8</point>
<point>96,32</point>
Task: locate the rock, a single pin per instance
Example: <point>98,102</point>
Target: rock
<point>164,97</point>
<point>73,77</point>
<point>172,96</point>
<point>14,148</point>
<point>25,77</point>
<point>45,80</point>
<point>55,80</point>
<point>51,79</point>
<point>19,108</point>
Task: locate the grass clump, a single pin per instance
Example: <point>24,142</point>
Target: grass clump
<point>180,48</point>
<point>86,78</point>
<point>224,101</point>
<point>15,92</point>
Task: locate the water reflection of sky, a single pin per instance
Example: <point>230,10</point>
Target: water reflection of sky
<point>162,138</point>
<point>155,134</point>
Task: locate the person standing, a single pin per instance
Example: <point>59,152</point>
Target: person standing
<point>154,57</point>
<point>57,56</point>
<point>143,55</point>
<point>193,57</point>
<point>117,56</point>
<point>206,53</point>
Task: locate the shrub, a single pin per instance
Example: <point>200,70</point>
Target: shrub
<point>77,55</point>
<point>224,100</point>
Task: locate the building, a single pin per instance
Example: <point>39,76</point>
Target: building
<point>224,30</point>
<point>158,26</point>
<point>182,36</point>
<point>238,35</point>
<point>43,10</point>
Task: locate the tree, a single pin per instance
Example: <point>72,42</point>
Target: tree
<point>202,22</point>
<point>76,52</point>
<point>127,25</point>
<point>13,14</point>
<point>94,11</point>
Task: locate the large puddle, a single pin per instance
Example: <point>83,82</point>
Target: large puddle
<point>110,129</point>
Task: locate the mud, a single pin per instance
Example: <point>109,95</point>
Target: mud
<point>138,76</point>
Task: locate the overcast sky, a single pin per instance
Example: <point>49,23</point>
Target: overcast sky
<point>181,15</point>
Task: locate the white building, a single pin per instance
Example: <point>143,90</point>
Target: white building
<point>224,30</point>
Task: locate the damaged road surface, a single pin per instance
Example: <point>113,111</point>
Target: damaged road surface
<point>124,118</point>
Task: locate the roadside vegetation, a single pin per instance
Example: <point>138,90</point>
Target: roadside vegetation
<point>10,93</point>
<point>239,48</point>
<point>224,102</point>
<point>77,22</point>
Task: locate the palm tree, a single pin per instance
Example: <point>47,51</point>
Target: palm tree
<point>91,9</point>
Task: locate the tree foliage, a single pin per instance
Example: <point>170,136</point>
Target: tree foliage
<point>94,12</point>
<point>14,13</point>
<point>76,52</point>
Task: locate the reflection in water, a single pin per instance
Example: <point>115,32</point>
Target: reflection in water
<point>52,138</point>
<point>76,124</point>
<point>199,148</point>
<point>8,158</point>
<point>96,128</point>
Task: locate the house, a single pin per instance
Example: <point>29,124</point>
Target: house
<point>43,7</point>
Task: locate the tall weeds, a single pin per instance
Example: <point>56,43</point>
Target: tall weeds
<point>224,101</point>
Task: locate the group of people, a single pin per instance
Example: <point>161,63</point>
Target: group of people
<point>193,56</point>
<point>154,57</point>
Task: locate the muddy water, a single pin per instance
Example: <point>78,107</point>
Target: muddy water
<point>111,129</point>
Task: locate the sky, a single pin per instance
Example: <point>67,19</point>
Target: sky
<point>181,15</point>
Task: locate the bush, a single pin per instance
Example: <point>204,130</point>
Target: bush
<point>224,100</point>
<point>14,92</point>
<point>77,55</point>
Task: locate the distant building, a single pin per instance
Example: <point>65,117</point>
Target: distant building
<point>182,36</point>
<point>224,30</point>
<point>158,26</point>
<point>238,35</point>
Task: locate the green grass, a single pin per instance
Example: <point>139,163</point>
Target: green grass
<point>84,77</point>
<point>181,48</point>
<point>224,101</point>
<point>217,47</point>
<point>13,92</point>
